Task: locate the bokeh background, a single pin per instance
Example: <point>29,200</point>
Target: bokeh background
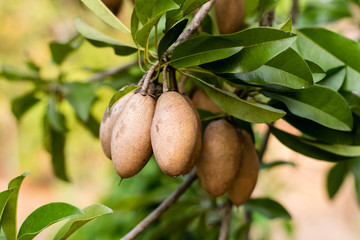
<point>27,27</point>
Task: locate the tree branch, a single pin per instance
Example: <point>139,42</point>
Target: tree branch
<point>268,19</point>
<point>161,208</point>
<point>295,11</point>
<point>193,25</point>
<point>264,144</point>
<point>225,224</point>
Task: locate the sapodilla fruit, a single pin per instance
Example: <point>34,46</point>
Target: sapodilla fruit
<point>219,158</point>
<point>247,174</point>
<point>175,134</point>
<point>108,122</point>
<point>201,100</point>
<point>130,141</point>
<point>229,15</point>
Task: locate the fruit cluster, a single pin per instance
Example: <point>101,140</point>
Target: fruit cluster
<point>138,126</point>
<point>169,126</point>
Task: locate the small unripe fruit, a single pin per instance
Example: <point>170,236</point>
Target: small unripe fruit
<point>219,158</point>
<point>108,122</point>
<point>174,134</point>
<point>229,15</point>
<point>130,142</point>
<point>246,177</point>
<point>201,100</point>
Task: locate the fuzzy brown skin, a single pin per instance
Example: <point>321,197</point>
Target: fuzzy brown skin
<point>219,158</point>
<point>201,100</point>
<point>174,134</point>
<point>246,177</point>
<point>229,15</point>
<point>108,122</point>
<point>130,142</point>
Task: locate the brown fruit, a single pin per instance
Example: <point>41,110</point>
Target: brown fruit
<point>130,142</point>
<point>174,134</point>
<point>201,100</point>
<point>229,15</point>
<point>246,177</point>
<point>108,122</point>
<point>219,158</point>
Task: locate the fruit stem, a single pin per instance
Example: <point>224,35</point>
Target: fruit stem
<point>148,76</point>
<point>225,224</point>
<point>172,79</point>
<point>161,208</point>
<point>165,79</point>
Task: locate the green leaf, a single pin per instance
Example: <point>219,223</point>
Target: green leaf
<point>268,208</point>
<point>8,221</point>
<point>60,51</point>
<point>74,224</point>
<point>336,177</point>
<point>260,45</point>
<point>81,96</point>
<point>231,104</point>
<point>273,164</point>
<point>15,74</point>
<point>4,198</point>
<point>320,104</point>
<point>92,125</point>
<point>170,37</point>
<point>353,100</point>
<point>203,49</point>
<point>98,39</point>
<point>20,105</point>
<point>99,8</point>
<point>287,69</point>
<point>56,119</point>
<point>149,13</point>
<point>322,46</point>
<point>316,71</point>
<point>287,25</point>
<point>119,94</point>
<point>55,145</point>
<point>338,149</point>
<point>45,216</point>
<point>134,25</point>
<point>320,132</point>
<point>334,78</point>
<point>298,144</point>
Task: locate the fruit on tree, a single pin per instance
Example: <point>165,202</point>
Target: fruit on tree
<point>108,122</point>
<point>201,100</point>
<point>175,134</point>
<point>130,142</point>
<point>219,158</point>
<point>229,15</point>
<point>247,174</point>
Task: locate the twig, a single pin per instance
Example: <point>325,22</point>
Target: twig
<point>264,144</point>
<point>182,84</point>
<point>268,19</point>
<point>109,72</point>
<point>193,25</point>
<point>164,79</point>
<point>295,11</point>
<point>225,224</point>
<point>161,208</point>
<point>172,79</point>
<point>148,77</point>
